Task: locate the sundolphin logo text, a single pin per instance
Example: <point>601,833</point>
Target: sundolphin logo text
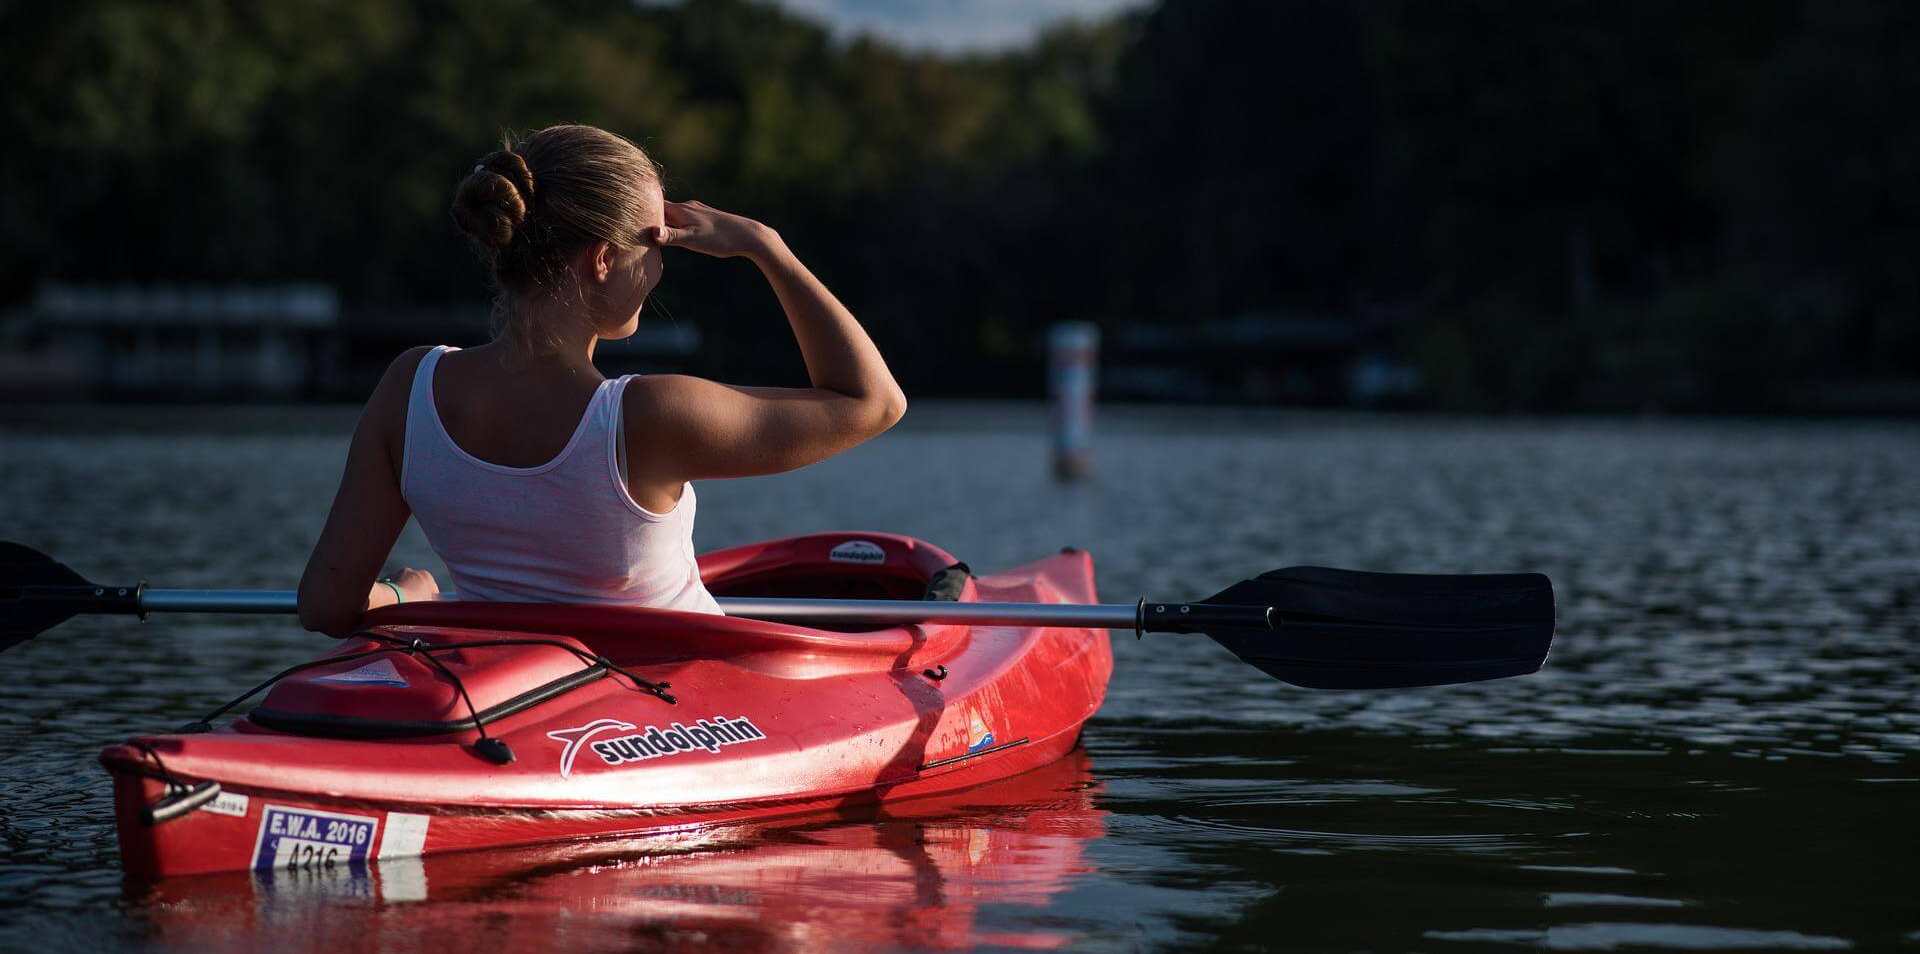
<point>710,734</point>
<point>857,551</point>
<point>574,738</point>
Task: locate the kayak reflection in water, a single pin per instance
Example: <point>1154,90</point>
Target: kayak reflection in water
<point>534,477</point>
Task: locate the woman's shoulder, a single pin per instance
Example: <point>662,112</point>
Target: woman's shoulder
<point>644,393</point>
<point>386,409</point>
<point>397,380</point>
<point>658,418</point>
<point>404,364</point>
<point>661,407</point>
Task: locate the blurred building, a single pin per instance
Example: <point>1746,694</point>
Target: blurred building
<point>1259,358</point>
<point>177,341</point>
<point>253,342</point>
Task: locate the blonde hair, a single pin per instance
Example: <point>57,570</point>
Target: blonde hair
<point>537,201</point>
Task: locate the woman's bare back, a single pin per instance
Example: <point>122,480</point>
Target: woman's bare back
<point>512,417</point>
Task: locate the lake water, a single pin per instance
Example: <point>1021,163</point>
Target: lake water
<point>1723,752</point>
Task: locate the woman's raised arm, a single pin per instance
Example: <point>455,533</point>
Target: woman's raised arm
<point>687,428</point>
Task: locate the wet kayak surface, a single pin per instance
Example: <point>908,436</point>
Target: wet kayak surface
<point>1723,752</point>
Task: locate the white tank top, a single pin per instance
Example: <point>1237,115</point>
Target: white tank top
<point>567,531</point>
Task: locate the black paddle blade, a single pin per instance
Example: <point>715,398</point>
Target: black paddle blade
<point>23,613</point>
<point>1344,629</point>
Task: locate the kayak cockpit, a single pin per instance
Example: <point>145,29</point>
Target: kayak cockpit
<point>423,669</point>
<point>865,566</point>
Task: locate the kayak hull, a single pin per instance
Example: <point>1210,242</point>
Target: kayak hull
<point>936,872</point>
<point>206,842</point>
<point>342,765</point>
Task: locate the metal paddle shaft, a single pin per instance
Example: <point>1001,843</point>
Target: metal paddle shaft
<point>218,601</point>
<point>890,612</point>
<point>1154,617</point>
<point>139,601</point>
<point>1102,615</point>
<point>1141,616</point>
<point>1311,626</point>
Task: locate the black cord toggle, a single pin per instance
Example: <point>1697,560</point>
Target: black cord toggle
<point>493,750</point>
<point>488,747</point>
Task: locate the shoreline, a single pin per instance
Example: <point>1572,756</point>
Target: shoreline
<point>933,415</point>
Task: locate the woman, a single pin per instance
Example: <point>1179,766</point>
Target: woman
<point>534,477</point>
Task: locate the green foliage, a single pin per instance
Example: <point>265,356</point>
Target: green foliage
<point>1626,204</point>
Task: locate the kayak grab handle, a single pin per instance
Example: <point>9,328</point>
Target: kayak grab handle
<point>180,800</point>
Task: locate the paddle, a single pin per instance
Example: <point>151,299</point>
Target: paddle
<point>1311,626</point>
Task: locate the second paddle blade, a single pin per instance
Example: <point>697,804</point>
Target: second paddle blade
<point>1344,629</point>
<point>34,593</point>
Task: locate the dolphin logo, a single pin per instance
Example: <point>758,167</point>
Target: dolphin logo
<point>574,738</point>
<point>979,737</point>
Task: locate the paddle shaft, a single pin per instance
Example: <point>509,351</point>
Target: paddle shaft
<point>1317,627</point>
<point>1165,617</point>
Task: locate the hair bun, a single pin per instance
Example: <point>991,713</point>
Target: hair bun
<point>494,200</point>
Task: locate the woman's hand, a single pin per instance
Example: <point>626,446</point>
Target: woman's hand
<point>418,586</point>
<point>699,227</point>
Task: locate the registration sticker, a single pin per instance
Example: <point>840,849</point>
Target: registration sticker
<point>292,838</point>
<point>228,803</point>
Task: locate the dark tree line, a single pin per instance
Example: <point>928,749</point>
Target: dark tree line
<point>1555,204</point>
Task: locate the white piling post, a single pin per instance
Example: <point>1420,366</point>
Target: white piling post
<point>1073,357</point>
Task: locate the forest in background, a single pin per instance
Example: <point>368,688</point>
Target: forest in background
<point>1549,205</point>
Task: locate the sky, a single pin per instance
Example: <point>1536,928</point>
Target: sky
<point>952,25</point>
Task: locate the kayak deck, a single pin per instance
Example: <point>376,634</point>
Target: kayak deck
<point>375,755</point>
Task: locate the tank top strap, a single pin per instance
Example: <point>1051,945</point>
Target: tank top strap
<point>617,432</point>
<point>419,430</point>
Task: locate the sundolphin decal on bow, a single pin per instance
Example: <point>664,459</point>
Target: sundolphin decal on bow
<point>577,737</point>
<point>708,735</point>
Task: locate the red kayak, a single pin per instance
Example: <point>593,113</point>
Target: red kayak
<point>452,726</point>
